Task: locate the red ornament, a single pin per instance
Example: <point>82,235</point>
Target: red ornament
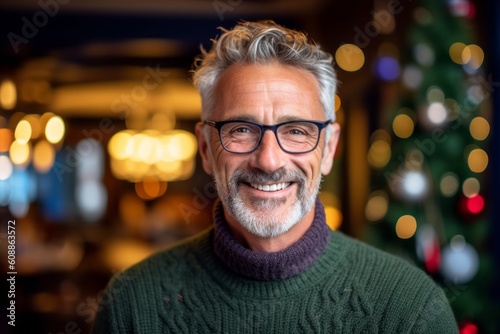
<point>471,207</point>
<point>432,257</point>
<point>468,328</point>
<point>475,204</point>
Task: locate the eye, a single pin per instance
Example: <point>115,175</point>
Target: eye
<point>296,131</point>
<point>241,129</point>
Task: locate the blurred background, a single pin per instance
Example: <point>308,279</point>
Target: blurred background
<point>99,165</point>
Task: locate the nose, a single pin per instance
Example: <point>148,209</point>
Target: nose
<point>269,156</point>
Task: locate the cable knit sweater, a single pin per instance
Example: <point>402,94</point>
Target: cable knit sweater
<point>324,283</point>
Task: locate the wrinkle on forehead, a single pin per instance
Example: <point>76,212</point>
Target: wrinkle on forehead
<point>249,90</point>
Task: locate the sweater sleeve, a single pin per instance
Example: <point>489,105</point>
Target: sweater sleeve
<point>436,315</point>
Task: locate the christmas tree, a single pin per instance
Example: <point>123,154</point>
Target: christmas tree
<point>429,161</point>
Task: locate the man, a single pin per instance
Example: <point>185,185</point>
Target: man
<point>270,264</point>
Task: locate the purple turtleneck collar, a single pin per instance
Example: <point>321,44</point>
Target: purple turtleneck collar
<point>279,265</point>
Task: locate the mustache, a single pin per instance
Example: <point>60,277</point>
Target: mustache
<point>280,175</point>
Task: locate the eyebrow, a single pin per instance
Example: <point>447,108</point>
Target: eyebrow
<point>251,118</point>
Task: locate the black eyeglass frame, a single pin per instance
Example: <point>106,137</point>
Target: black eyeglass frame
<point>218,125</point>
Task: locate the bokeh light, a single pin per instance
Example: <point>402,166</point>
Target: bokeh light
<point>475,204</point>
<point>471,187</point>
<point>437,113</point>
<point>5,168</point>
<point>333,217</point>
<point>388,68</point>
<point>479,128</point>
<point>43,156</point>
<point>403,126</point>
<point>406,227</point>
<point>8,95</point>
<point>449,184</point>
<point>412,77</point>
<point>459,265</point>
<point>379,153</point>
<point>55,129</point>
<point>414,184</point>
<point>424,54</point>
<point>477,160</point>
<point>377,205</point>
<point>455,51</point>
<point>349,57</point>
<point>22,134</point>
<point>338,102</point>
<point>435,94</point>
<point>20,153</point>
<point>474,55</point>
<point>6,138</point>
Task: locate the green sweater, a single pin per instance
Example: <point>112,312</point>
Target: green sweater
<point>349,288</point>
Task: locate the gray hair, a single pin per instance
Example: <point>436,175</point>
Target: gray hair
<point>264,42</point>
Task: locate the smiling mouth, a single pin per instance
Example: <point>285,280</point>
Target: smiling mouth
<point>270,187</point>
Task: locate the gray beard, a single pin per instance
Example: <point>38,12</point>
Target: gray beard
<point>263,221</point>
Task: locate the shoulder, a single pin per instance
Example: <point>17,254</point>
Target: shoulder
<point>367,259</point>
<point>394,286</point>
<point>174,262</point>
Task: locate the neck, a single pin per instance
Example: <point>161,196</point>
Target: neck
<point>272,244</point>
<point>271,265</point>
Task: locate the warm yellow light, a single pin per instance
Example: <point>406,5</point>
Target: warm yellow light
<point>8,95</point>
<point>379,154</point>
<point>466,54</point>
<point>381,134</point>
<point>6,138</point>
<point>150,188</point>
<point>338,102</point>
<point>479,128</point>
<point>476,56</point>
<point>44,155</point>
<point>34,121</point>
<point>182,145</point>
<point>120,146</point>
<point>333,217</point>
<point>349,57</point>
<point>20,153</point>
<point>477,160</point>
<point>471,187</point>
<point>170,168</point>
<point>406,227</point>
<point>456,50</point>
<point>376,206</point>
<point>23,132</point>
<point>403,126</point>
<point>137,140</point>
<point>147,150</point>
<point>55,129</point>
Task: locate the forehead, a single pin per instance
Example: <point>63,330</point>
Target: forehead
<point>267,93</point>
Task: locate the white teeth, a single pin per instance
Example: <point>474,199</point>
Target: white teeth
<point>270,187</point>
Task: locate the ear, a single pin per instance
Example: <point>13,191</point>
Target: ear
<point>330,148</point>
<point>204,149</point>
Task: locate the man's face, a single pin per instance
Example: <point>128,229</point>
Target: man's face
<point>267,191</point>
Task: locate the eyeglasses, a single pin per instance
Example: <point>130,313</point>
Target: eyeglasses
<point>298,136</point>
